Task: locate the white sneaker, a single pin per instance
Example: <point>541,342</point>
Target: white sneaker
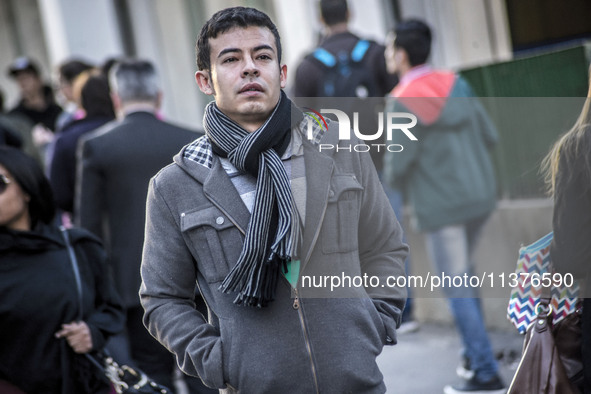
<point>408,327</point>
<point>474,386</point>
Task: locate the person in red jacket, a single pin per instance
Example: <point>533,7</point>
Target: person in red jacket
<point>448,178</point>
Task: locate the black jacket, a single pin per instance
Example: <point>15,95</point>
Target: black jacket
<point>38,293</point>
<point>115,168</point>
<point>309,73</point>
<point>570,249</point>
<point>47,117</point>
<point>62,169</point>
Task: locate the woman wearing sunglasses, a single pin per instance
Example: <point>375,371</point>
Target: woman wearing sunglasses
<point>41,337</point>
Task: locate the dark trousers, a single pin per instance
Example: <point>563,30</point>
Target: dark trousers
<point>149,355</point>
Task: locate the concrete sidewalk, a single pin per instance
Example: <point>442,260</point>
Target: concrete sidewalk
<point>423,362</point>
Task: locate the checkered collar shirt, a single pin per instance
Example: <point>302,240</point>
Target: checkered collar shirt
<point>200,151</point>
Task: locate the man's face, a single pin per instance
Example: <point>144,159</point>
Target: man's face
<point>245,77</point>
<point>390,54</point>
<point>66,89</point>
<point>28,82</point>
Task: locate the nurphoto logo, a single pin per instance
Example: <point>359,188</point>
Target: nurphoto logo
<point>396,122</point>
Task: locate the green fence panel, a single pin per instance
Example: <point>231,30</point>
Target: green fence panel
<point>528,125</point>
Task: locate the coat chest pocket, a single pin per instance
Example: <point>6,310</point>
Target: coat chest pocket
<point>214,240</point>
<point>341,220</point>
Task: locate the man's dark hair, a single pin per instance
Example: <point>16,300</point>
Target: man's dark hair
<point>28,174</point>
<point>226,19</point>
<point>70,69</point>
<point>95,97</point>
<point>334,11</point>
<point>414,36</point>
<point>108,64</point>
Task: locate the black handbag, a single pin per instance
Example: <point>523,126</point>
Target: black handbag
<point>124,379</point>
<point>551,362</point>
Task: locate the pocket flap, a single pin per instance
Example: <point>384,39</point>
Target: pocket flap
<point>342,183</point>
<point>210,216</point>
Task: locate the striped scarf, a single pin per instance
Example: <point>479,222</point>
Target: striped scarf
<point>269,238</point>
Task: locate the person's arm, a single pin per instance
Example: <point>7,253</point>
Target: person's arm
<point>10,137</point>
<point>306,80</point>
<point>484,123</point>
<point>167,295</point>
<point>107,318</point>
<point>381,249</point>
<point>103,315</point>
<point>386,81</point>
<point>90,189</point>
<point>59,176</point>
<point>487,127</point>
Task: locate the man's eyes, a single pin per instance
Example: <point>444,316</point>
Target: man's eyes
<point>258,57</point>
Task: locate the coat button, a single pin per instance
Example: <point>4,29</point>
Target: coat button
<point>183,215</point>
<point>219,220</point>
<point>331,193</point>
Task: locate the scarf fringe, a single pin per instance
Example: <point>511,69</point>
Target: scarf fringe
<point>260,287</point>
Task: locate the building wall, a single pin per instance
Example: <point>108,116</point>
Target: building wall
<point>467,32</point>
<point>85,28</point>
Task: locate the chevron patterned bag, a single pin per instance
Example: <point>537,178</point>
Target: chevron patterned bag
<point>534,271</point>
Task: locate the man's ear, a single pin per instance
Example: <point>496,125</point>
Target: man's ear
<point>283,76</point>
<point>204,81</point>
<point>158,103</point>
<point>116,102</point>
<point>401,56</point>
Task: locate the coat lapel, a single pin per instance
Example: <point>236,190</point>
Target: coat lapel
<point>319,168</point>
<point>218,188</point>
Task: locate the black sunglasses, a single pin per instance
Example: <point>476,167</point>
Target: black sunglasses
<point>4,181</point>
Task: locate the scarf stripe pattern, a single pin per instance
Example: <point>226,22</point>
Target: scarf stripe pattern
<point>257,270</point>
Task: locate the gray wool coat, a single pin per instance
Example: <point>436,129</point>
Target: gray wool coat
<point>308,340</point>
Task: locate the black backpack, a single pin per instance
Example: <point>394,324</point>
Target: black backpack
<point>345,74</point>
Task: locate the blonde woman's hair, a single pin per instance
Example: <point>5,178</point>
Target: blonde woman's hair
<point>79,82</point>
<point>567,142</point>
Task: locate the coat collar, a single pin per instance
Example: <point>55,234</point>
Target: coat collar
<point>319,166</point>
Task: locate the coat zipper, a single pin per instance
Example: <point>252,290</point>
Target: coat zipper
<point>297,306</point>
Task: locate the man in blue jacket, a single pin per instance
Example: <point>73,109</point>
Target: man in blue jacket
<point>253,212</point>
<point>448,178</point>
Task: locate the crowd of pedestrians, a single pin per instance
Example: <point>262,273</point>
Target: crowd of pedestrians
<point>191,244</point>
<point>85,167</point>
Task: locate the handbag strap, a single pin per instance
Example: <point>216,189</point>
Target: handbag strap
<point>544,306</point>
<point>75,269</point>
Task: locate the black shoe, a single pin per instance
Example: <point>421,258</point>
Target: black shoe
<point>475,386</point>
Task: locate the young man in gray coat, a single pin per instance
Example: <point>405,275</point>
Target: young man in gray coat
<point>295,251</point>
